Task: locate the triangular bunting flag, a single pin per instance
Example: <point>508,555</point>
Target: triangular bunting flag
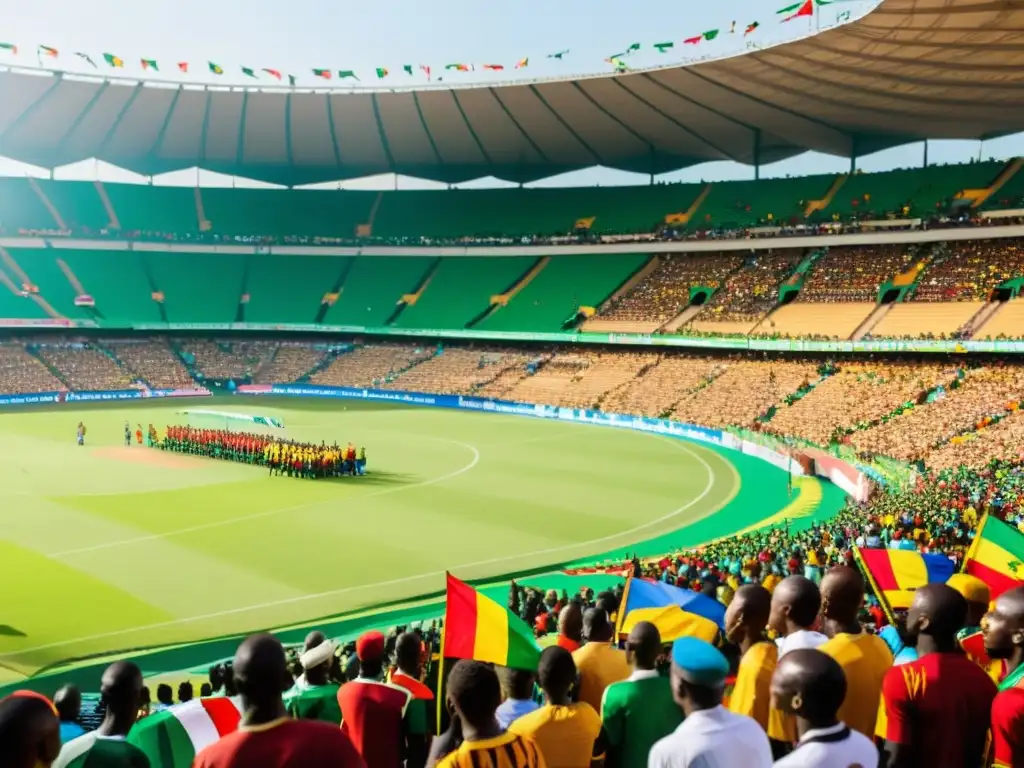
<point>183,66</point>
<point>46,50</point>
<point>114,61</point>
<point>150,64</point>
<point>750,28</point>
<point>558,55</point>
<point>523,63</point>
<point>662,47</point>
<point>407,69</point>
<point>382,72</point>
<point>11,47</point>
<point>216,68</point>
<point>273,73</point>
<point>86,58</point>
<point>324,74</point>
<point>344,74</point>
<point>797,11</point>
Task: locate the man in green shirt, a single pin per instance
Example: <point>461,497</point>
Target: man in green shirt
<point>121,689</point>
<point>639,710</point>
<point>317,697</point>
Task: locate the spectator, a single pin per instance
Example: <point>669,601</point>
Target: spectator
<point>566,732</point>
<point>205,691</point>
<point>419,715</point>
<point>313,639</point>
<point>164,697</point>
<point>1004,639</point>
<point>517,687</point>
<point>121,691</point>
<point>474,694</point>
<point>936,709</point>
<point>185,692</point>
<point>599,663</point>
<point>710,734</point>
<point>865,659</point>
<point>639,710</point>
<point>29,731</point>
<point>317,699</point>
<point>372,711</point>
<point>68,701</point>
<point>570,627</point>
<point>810,686</point>
<point>745,621</point>
<point>266,736</point>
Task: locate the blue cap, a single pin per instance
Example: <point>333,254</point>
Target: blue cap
<point>700,662</point>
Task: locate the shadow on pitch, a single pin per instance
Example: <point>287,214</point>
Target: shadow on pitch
<point>372,479</point>
<point>6,630</point>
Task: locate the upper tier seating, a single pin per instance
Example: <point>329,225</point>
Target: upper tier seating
<point>371,365</point>
<point>460,371</point>
<point>289,362</point>
<point>373,288</point>
<point>228,360</point>
<point>1007,323</point>
<point>22,373</point>
<point>828,320</point>
<point>198,287</point>
<point>735,204</point>
<point>289,289</point>
<point>153,361</point>
<point>748,294</point>
<point>914,319</point>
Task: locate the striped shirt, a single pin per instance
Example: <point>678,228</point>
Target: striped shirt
<point>505,751</point>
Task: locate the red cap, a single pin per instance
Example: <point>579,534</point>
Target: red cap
<point>370,646</point>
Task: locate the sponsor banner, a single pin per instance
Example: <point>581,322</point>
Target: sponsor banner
<point>196,392</point>
<point>780,460</point>
<point>41,397</point>
<point>254,389</point>
<point>115,394</point>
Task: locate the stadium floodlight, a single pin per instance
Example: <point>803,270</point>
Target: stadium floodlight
<point>233,422</point>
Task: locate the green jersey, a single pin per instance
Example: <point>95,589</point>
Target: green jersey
<point>317,703</point>
<point>94,751</point>
<point>636,713</point>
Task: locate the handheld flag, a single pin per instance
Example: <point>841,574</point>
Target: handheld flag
<point>407,68</point>
<point>895,574</point>
<point>476,627</point>
<point>633,48</point>
<point>291,80</point>
<point>677,612</point>
<point>997,556</point>
<point>173,737</point>
<point>115,61</point>
<point>693,40</point>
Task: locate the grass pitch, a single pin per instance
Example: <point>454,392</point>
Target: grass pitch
<point>105,548</point>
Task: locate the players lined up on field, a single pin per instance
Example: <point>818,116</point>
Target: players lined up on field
<point>281,457</point>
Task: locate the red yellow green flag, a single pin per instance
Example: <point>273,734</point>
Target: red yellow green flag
<point>997,556</point>
<point>11,47</point>
<point>476,627</point>
<point>46,50</point>
<point>115,61</point>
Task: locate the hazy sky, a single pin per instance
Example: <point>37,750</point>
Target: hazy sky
<point>294,37</point>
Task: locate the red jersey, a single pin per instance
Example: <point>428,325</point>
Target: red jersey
<point>940,705</point>
<point>1008,729</point>
<point>372,715</point>
<point>283,743</point>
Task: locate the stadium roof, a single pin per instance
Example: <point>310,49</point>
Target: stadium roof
<point>909,70</point>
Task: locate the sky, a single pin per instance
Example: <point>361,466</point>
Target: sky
<point>297,36</point>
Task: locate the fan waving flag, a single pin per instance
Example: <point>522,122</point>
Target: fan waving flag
<point>896,573</point>
<point>476,627</point>
<point>997,556</point>
<point>173,737</point>
<point>675,611</point>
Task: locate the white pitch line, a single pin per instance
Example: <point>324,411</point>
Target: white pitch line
<point>269,513</point>
<point>390,582</point>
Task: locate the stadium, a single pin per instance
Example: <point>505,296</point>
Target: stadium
<point>666,396</point>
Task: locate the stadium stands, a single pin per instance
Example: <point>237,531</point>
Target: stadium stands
<point>972,270</point>
<point>152,361</point>
<point>118,282</point>
<point>372,289</point>
<point>815,320</point>
<point>915,319</point>
<point>456,371</point>
<point>289,289</point>
<point>375,364</point>
<point>85,367</point>
<point>198,287</point>
<point>289,362</point>
<point>1006,323</point>
<point>23,372</point>
<point>227,360</point>
<point>855,273</point>
<point>657,389</point>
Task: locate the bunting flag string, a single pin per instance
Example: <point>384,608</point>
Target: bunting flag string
<point>619,62</point>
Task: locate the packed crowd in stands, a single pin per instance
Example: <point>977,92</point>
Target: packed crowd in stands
<point>21,372</point>
<point>163,369</point>
<point>751,292</point>
<point>855,273</point>
<point>84,367</point>
<point>971,270</point>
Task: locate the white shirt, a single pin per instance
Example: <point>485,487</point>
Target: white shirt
<point>802,638</point>
<point>713,738</point>
<point>835,747</point>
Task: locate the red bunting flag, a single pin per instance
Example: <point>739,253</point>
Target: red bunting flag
<point>183,66</point>
<point>494,67</point>
<point>273,73</point>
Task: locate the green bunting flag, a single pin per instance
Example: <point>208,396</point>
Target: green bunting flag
<point>407,69</point>
<point>347,73</point>
<point>633,48</point>
<point>86,58</point>
<point>662,47</point>
<point>216,68</point>
<point>382,72</point>
<point>291,79</point>
<point>558,55</point>
<point>796,11</point>
<point>325,74</point>
<point>115,61</point>
<point>9,47</point>
<point>248,72</point>
<point>710,35</point>
<point>150,64</point>
<point>750,28</point>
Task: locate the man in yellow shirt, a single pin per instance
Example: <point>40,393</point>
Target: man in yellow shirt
<point>568,734</point>
<point>599,663</point>
<point>745,622</point>
<point>864,658</point>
